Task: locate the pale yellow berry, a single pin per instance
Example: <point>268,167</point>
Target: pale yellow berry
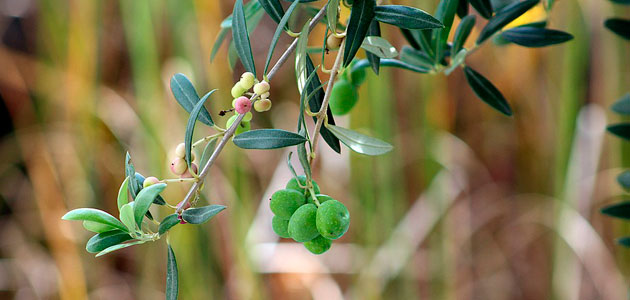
<point>234,102</point>
<point>178,166</point>
<point>264,96</point>
<point>180,151</point>
<point>248,116</point>
<point>247,80</point>
<point>333,42</point>
<point>149,181</point>
<point>237,90</point>
<point>261,87</point>
<point>262,105</point>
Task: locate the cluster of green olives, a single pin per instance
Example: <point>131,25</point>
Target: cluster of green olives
<point>344,93</point>
<point>313,219</point>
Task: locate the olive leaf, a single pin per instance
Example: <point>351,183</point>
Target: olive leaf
<point>273,8</point>
<point>405,17</point>
<point>274,40</point>
<point>190,126</point>
<point>207,152</point>
<point>462,32</point>
<point>172,281</point>
<point>332,10</point>
<point>186,95</point>
<point>97,227</point>
<point>144,200</point>
<point>621,130</point>
<point>361,16</point>
<point>375,60</point>
<point>622,106</point>
<point>315,104</point>
<point>251,9</point>
<point>119,246</point>
<point>360,143</point>
<point>169,222</point>
<point>535,36</point>
<point>94,215</point>
<point>486,91</point>
<point>411,39</point>
<point>300,59</point>
<point>391,63</point>
<point>618,210</point>
<point>302,154</point>
<point>624,179</point>
<point>123,193</point>
<point>200,215</point>
<point>624,241</point>
<point>240,37</point>
<point>106,239</point>
<point>127,217</point>
<point>504,17</point>
<point>267,139</point>
<point>621,27</point>
<point>483,7</point>
<point>379,47</point>
<point>445,14</point>
<point>462,8</point>
<point>132,185</point>
<point>416,57</point>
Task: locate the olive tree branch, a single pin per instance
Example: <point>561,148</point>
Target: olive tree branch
<point>194,189</point>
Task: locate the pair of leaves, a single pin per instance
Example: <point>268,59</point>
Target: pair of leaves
<point>504,17</point>
<point>360,143</point>
<point>190,127</point>
<point>268,139</point>
<point>535,36</point>
<point>187,97</point>
<point>240,36</point>
<point>486,91</point>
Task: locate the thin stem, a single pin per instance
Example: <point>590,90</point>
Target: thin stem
<point>321,115</point>
<point>230,131</point>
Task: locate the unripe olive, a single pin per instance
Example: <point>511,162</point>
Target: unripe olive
<point>285,202</point>
<point>302,225</point>
<point>264,96</point>
<point>321,198</point>
<point>318,245</point>
<point>293,185</point>
<point>280,226</point>
<point>261,87</point>
<point>248,116</point>
<point>333,219</point>
<point>262,105</point>
<point>343,97</point>
<point>178,166</point>
<point>333,42</point>
<point>180,150</point>
<point>247,80</point>
<point>242,105</point>
<point>243,127</point>
<point>193,168</point>
<point>238,90</point>
<point>356,77</point>
<point>149,181</point>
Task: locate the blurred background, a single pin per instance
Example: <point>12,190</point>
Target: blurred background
<point>469,205</point>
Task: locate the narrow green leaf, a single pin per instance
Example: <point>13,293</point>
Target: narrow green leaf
<point>251,9</point>
<point>207,152</point>
<point>190,127</point>
<point>622,2</point>
<point>361,16</point>
<point>273,8</point>
<point>118,247</point>
<point>375,60</point>
<point>411,39</point>
<point>622,106</point>
<point>200,215</point>
<point>624,241</point>
<point>424,37</point>
<point>144,201</point>
<point>169,222</point>
<point>535,37</point>
<point>106,239</point>
<point>94,215</point>
<point>303,156</point>
<point>621,27</point>
<point>405,17</point>
<point>130,172</point>
<point>186,95</point>
<point>462,8</point>
<point>267,139</point>
<point>97,227</point>
<point>300,58</point>
<point>290,165</point>
<point>360,143</point>
<point>624,179</point>
<point>379,47</point>
<point>487,92</point>
<point>276,35</point>
<point>241,38</point>
<point>618,210</point>
<point>483,7</point>
<point>416,58</point>
<point>218,42</point>
<point>392,63</point>
<point>463,31</point>
<point>621,130</point>
<point>303,99</point>
<point>172,281</point>
<point>332,9</point>
<point>445,14</point>
<point>315,104</point>
<point>123,193</point>
<point>504,17</point>
<point>127,218</point>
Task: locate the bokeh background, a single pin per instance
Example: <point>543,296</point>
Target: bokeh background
<point>469,205</point>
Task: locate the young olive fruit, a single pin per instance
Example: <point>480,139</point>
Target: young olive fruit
<point>318,245</point>
<point>262,105</point>
<point>261,87</point>
<point>356,77</point>
<point>149,181</point>
<point>333,42</point>
<point>280,226</point>
<point>333,219</point>
<point>242,105</point>
<point>302,225</point>
<point>247,80</point>
<point>178,166</point>
<point>264,96</point>
<point>243,127</point>
<point>248,116</point>
<point>343,97</point>
<point>293,185</point>
<point>193,168</point>
<point>180,150</point>
<point>237,90</point>
<point>285,202</point>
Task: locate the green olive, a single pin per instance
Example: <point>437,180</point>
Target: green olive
<point>343,97</point>
<point>333,219</point>
<point>285,202</point>
<point>293,185</point>
<point>280,226</point>
<point>356,77</point>
<point>318,245</point>
<point>302,226</point>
